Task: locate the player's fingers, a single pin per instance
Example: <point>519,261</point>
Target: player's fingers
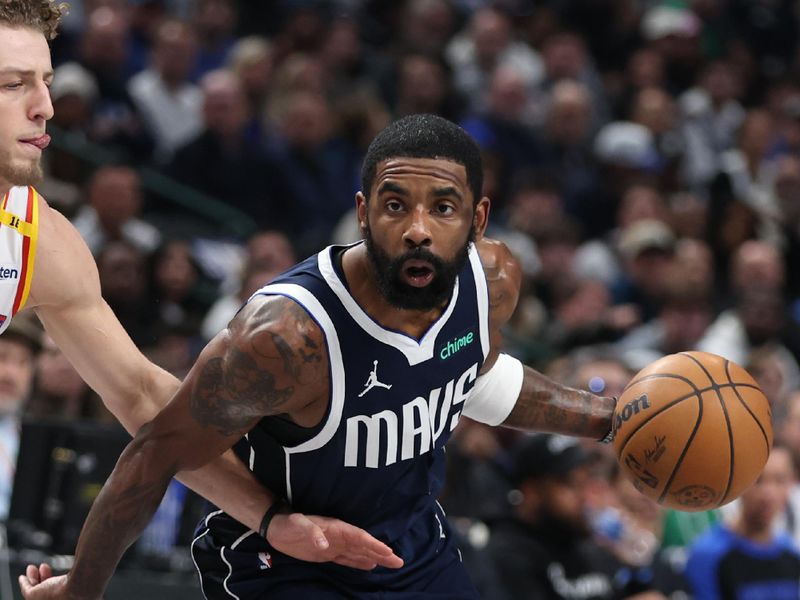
<point>24,585</point>
<point>391,561</point>
<point>356,562</point>
<point>32,573</point>
<point>311,530</point>
<point>362,541</point>
<point>45,571</point>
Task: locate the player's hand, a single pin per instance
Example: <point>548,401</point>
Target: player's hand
<point>38,583</point>
<point>323,539</point>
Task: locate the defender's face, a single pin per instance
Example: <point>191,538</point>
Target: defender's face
<point>25,106</point>
<point>418,224</point>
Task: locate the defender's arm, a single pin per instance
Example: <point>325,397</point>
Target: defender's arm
<point>265,363</point>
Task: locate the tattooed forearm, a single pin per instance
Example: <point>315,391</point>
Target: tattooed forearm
<point>544,405</point>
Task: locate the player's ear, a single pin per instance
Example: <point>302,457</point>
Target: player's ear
<point>480,218</point>
<point>361,209</point>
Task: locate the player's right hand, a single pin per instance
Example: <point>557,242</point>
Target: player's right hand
<point>322,539</point>
<point>38,583</point>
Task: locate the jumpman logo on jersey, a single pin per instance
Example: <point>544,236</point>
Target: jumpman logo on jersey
<point>372,381</point>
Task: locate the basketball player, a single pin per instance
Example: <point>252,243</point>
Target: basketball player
<point>417,306</point>
<point>44,264</point>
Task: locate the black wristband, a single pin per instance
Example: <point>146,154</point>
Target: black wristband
<point>273,510</point>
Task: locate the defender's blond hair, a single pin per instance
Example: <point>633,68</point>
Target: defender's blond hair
<point>42,15</point>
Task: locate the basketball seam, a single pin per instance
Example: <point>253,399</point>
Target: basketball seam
<point>650,418</point>
<point>730,437</point>
<point>685,449</point>
<point>747,408</point>
<point>701,365</point>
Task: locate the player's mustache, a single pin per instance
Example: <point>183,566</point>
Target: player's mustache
<point>419,253</point>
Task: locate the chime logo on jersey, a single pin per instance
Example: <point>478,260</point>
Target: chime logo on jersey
<point>410,431</point>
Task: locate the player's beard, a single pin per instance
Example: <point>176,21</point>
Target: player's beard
<point>402,295</point>
<point>17,173</point>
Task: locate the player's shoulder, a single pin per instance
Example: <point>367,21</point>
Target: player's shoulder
<point>503,276</point>
<point>277,317</point>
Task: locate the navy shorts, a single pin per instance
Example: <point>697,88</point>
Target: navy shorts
<point>243,567</point>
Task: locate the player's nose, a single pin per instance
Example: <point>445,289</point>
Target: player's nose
<point>417,231</point>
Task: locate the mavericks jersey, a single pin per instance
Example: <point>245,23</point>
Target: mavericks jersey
<point>377,458</point>
<point>19,227</point>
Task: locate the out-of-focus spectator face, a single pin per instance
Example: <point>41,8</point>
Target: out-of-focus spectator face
<point>215,18</point>
<point>17,364</point>
<point>253,62</point>
<point>721,83</point>
<point>686,311</point>
<point>604,377</point>
<point>115,194</point>
<point>423,85</point>
<point>762,313</point>
<point>689,215</point>
<point>491,34</point>
<point>305,123</point>
<point>342,47</point>
<point>271,250</point>
<point>767,497</point>
<point>103,45</point>
<point>533,209</point>
<point>175,273</point>
<point>655,109</point>
<point>695,264</point>
<point>123,274</point>
<point>55,376</point>
<point>585,305</point>
<point>789,427</point>
<point>300,73</point>
<point>569,117</point>
<point>564,498</point>
<point>564,56</point>
<point>224,104</point>
<point>756,134</point>
<point>508,97</point>
<point>757,264</point>
<point>766,367</point>
<point>428,25</point>
<point>646,69</point>
<point>787,189</point>
<point>174,52</point>
<point>641,202</point>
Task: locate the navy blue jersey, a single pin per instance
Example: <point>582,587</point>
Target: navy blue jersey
<point>377,458</point>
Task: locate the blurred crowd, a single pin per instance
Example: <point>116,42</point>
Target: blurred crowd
<point>643,162</point>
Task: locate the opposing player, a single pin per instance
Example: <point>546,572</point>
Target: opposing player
<point>424,295</point>
<point>44,264</point>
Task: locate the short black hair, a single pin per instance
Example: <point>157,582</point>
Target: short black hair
<point>425,136</point>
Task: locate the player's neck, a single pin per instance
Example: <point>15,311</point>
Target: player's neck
<point>5,187</point>
<point>361,280</point>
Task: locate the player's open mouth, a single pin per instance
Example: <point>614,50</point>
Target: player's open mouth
<point>418,273</point>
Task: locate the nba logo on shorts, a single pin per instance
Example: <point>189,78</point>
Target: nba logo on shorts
<point>266,560</point>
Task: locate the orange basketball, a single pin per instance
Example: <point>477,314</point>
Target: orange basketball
<point>693,431</point>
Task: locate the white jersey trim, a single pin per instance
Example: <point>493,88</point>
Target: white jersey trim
<point>482,290</point>
<point>415,351</point>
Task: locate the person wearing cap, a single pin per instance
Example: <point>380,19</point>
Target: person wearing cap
<point>19,346</point>
<point>45,265</point>
<point>544,550</point>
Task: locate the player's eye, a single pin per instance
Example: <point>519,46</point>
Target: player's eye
<point>394,205</point>
<point>445,209</point>
<point>12,86</point>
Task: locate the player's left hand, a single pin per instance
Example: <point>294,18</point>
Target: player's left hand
<point>323,539</point>
<point>38,583</point>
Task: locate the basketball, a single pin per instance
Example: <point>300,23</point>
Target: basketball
<point>693,431</point>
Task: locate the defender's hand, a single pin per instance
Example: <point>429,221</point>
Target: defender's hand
<point>323,539</point>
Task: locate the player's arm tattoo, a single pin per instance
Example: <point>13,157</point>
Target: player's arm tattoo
<point>265,367</point>
<point>544,405</point>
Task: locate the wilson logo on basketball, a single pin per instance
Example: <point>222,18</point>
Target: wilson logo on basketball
<point>632,408</point>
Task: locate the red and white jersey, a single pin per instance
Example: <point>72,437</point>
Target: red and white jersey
<point>19,229</point>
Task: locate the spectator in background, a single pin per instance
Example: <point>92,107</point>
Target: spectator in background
<point>426,27</point>
<point>60,392</point>
<point>489,44</point>
<point>168,102</point>
<point>214,21</point>
<point>252,60</point>
<point>748,559</point>
<point>104,52</point>
<point>545,550</point>
<point>227,159</point>
<point>112,212</point>
<point>19,346</point>
<point>423,86</point>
